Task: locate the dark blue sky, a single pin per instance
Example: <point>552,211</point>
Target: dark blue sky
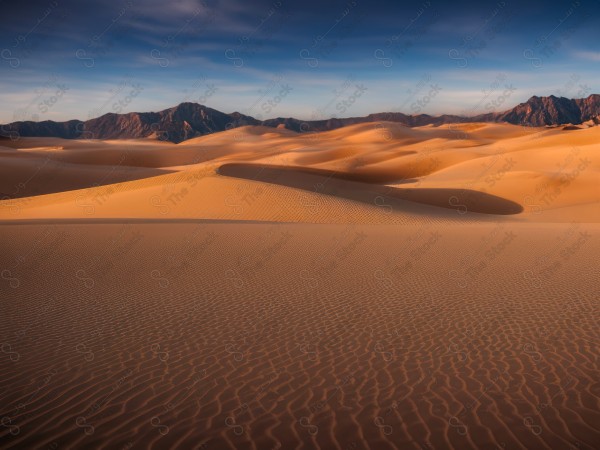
<point>309,59</point>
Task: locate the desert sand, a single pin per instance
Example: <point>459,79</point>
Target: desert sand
<point>375,286</point>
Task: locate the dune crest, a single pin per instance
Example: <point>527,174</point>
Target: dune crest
<point>372,286</point>
<point>483,168</point>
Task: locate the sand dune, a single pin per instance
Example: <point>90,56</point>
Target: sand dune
<point>319,180</point>
<point>500,163</point>
<point>298,336</point>
<point>374,286</point>
<point>28,177</point>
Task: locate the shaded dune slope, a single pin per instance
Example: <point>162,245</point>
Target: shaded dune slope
<point>348,186</point>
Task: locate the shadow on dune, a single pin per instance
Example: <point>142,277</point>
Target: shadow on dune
<point>351,187</point>
<point>43,177</point>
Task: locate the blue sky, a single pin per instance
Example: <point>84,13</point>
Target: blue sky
<point>71,59</point>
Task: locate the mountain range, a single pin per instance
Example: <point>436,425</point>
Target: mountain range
<point>189,120</point>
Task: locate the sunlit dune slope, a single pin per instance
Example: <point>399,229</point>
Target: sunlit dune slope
<point>382,172</point>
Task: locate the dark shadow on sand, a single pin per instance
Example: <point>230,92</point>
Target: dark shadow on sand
<point>350,186</point>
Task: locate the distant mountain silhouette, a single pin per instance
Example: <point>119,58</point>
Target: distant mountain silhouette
<point>541,111</point>
<point>189,120</point>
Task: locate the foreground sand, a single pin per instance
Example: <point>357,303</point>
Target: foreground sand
<point>234,335</point>
<point>371,287</point>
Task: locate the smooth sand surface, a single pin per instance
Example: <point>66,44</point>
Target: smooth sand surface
<point>374,286</point>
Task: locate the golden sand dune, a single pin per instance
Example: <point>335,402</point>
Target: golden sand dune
<point>374,286</point>
<point>460,200</point>
<point>300,336</point>
<point>31,176</point>
<point>539,173</point>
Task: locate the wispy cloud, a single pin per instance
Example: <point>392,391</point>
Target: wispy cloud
<point>589,56</point>
<point>387,46</point>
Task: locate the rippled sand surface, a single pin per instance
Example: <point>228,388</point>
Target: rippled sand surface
<point>381,287</point>
<point>229,335</point>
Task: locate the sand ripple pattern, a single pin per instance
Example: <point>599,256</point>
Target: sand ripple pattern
<point>292,336</point>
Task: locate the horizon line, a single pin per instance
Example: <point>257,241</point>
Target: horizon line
<point>296,118</point>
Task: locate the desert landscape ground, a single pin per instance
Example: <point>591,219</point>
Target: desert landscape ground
<point>374,286</point>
